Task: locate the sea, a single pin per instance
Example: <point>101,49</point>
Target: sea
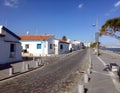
<point>117,50</point>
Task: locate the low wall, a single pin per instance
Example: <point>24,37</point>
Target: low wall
<point>110,52</point>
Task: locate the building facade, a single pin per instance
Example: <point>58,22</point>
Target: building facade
<point>76,45</point>
<point>10,47</point>
<point>61,47</point>
<point>38,45</point>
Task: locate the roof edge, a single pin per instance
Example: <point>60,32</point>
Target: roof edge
<point>10,32</point>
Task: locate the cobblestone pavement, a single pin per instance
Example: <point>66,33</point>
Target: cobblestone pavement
<point>29,64</point>
<point>50,79</point>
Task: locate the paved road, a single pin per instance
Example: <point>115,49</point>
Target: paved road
<point>46,79</point>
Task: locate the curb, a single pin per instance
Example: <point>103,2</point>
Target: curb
<point>21,73</point>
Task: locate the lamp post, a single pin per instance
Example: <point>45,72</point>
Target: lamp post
<point>97,37</point>
<point>97,41</point>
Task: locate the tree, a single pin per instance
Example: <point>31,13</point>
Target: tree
<point>93,45</point>
<point>111,28</point>
<point>64,38</point>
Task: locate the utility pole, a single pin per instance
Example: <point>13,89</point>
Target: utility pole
<point>97,37</point>
<point>97,41</point>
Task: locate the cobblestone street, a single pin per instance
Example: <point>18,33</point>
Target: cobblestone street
<point>49,79</point>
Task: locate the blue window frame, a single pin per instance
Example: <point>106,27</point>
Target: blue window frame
<point>39,46</point>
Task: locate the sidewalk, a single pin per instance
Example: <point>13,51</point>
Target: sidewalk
<point>101,80</point>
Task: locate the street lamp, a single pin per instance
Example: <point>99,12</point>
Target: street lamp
<point>97,37</point>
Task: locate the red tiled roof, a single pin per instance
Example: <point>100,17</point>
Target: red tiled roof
<point>35,37</point>
<point>62,41</point>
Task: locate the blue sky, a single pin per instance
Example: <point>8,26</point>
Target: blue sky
<point>72,18</point>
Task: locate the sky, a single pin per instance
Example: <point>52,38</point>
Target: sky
<point>72,18</point>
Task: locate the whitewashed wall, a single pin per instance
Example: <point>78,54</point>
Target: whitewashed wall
<point>65,48</point>
<point>45,47</point>
<point>51,41</point>
<point>56,42</point>
<point>70,46</point>
<point>4,52</point>
<point>33,47</point>
<point>5,49</point>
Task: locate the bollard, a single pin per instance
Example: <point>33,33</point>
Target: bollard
<point>81,89</point>
<point>33,58</point>
<point>86,78</point>
<point>37,63</point>
<point>40,62</point>
<point>26,67</point>
<point>23,66</point>
<point>10,71</point>
<point>43,62</point>
<point>88,71</point>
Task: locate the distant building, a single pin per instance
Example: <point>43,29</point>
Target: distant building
<point>10,47</point>
<point>38,45</point>
<point>76,45</point>
<point>61,46</point>
<point>87,44</point>
<point>46,45</point>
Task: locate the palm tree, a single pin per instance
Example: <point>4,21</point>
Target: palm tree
<point>110,28</point>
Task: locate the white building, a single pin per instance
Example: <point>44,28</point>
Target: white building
<point>76,45</point>
<point>87,44</point>
<point>38,45</point>
<point>56,46</point>
<point>61,46</point>
<point>10,47</point>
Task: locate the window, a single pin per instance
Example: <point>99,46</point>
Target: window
<point>61,46</point>
<point>12,51</point>
<point>26,46</point>
<point>39,46</point>
<point>50,46</point>
<point>12,47</point>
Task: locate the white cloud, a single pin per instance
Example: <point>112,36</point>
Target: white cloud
<point>80,5</point>
<point>114,9</point>
<point>117,4</point>
<point>11,3</point>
